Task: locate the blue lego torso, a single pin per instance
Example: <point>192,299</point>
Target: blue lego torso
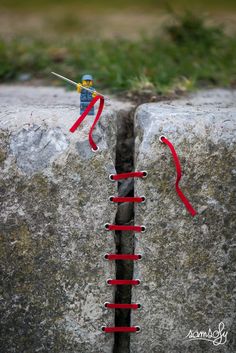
<point>85,99</point>
<point>85,95</point>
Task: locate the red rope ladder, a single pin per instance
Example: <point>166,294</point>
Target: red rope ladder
<point>137,199</point>
<point>116,177</point>
<point>133,257</point>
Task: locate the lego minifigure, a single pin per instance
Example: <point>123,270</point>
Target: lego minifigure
<point>89,97</point>
<point>86,95</point>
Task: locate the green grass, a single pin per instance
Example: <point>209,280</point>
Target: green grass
<point>117,4</point>
<point>192,56</point>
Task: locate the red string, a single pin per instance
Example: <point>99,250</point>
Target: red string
<point>120,329</point>
<point>127,199</point>
<point>124,227</point>
<point>83,116</point>
<point>122,306</point>
<point>178,172</point>
<point>132,282</point>
<point>123,257</point>
<point>128,175</point>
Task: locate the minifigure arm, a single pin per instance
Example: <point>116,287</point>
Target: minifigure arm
<point>79,88</point>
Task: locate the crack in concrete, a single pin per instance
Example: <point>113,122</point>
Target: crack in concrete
<point>125,215</point>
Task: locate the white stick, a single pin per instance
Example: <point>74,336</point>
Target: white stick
<point>77,84</point>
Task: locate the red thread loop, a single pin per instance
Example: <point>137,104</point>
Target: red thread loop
<point>115,282</point>
<point>128,175</point>
<point>178,177</point>
<point>122,306</point>
<point>83,116</point>
<point>121,329</point>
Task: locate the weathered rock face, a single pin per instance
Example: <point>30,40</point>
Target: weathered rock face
<point>188,268</point>
<point>54,204</point>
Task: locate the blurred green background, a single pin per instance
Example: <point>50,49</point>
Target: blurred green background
<point>137,48</point>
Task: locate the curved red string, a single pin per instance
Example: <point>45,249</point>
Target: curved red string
<point>83,116</point>
<point>178,177</point>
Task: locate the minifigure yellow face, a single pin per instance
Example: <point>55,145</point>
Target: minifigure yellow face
<point>87,83</point>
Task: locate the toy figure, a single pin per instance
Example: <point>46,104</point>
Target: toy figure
<point>86,90</point>
<point>86,95</point>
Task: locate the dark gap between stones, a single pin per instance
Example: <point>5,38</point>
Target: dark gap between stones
<point>125,215</point>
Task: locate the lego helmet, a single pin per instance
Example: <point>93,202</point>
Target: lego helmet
<point>87,77</point>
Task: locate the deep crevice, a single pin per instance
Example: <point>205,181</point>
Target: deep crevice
<point>125,215</point>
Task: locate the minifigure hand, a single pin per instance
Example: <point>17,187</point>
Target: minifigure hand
<point>79,88</point>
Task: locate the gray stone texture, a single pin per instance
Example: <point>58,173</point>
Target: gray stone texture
<point>54,197</point>
<point>188,268</point>
<point>54,204</point>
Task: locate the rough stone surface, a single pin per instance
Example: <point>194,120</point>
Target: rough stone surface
<point>54,203</point>
<point>188,268</point>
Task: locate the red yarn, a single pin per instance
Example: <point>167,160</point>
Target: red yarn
<point>124,227</point>
<point>128,175</point>
<point>123,257</point>
<point>83,116</point>
<point>127,199</point>
<point>132,282</point>
<point>178,177</point>
<point>120,329</point>
<point>122,306</point>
